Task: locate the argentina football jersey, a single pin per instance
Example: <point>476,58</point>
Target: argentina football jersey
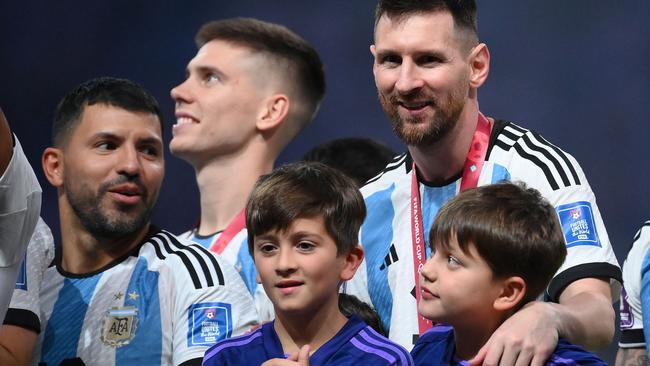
<point>164,303</point>
<point>387,276</point>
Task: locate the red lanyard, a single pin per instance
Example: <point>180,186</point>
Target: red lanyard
<point>471,173</point>
<point>235,226</point>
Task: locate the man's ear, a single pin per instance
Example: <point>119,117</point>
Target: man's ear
<point>274,111</point>
<point>512,292</point>
<point>52,161</point>
<point>352,262</point>
<point>479,63</point>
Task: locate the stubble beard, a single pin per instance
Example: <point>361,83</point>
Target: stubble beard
<point>96,219</point>
<point>424,130</point>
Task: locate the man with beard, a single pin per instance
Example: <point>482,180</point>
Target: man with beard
<point>119,290</point>
<point>428,67</point>
<point>250,88</point>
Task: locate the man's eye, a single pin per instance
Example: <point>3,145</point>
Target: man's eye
<point>212,78</point>
<point>150,150</point>
<point>390,60</point>
<point>106,145</point>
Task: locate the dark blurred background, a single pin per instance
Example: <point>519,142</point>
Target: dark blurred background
<point>575,71</point>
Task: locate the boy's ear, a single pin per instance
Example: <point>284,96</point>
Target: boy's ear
<point>52,161</point>
<point>352,262</point>
<point>512,292</point>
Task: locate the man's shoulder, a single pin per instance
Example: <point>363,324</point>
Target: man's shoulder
<point>394,173</point>
<point>529,157</point>
<point>182,259</point>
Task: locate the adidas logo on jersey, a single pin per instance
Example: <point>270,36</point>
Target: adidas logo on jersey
<point>390,258</point>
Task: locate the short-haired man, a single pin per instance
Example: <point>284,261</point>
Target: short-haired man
<point>251,87</point>
<point>428,67</point>
<point>119,290</point>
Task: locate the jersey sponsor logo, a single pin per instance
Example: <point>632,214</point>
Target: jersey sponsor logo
<point>627,317</point>
<point>208,323</point>
<point>578,224</point>
<point>21,281</point>
<point>119,325</point>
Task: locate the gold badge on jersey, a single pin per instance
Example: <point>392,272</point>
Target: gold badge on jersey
<point>119,325</point>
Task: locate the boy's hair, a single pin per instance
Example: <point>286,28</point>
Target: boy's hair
<point>306,190</point>
<point>463,12</point>
<point>110,91</point>
<point>513,228</point>
<point>351,305</point>
<point>295,57</point>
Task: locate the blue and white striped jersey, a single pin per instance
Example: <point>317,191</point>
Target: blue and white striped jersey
<point>635,297</point>
<point>386,277</point>
<point>436,347</point>
<point>164,303</point>
<point>355,344</point>
<point>236,253</point>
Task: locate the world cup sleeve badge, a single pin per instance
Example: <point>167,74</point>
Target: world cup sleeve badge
<point>119,325</point>
<point>578,224</point>
<point>209,323</point>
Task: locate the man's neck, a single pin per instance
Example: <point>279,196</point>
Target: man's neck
<point>84,253</point>
<point>224,187</point>
<point>313,328</point>
<point>439,162</point>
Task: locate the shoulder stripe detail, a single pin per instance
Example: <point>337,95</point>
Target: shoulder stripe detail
<point>213,260</point>
<point>232,342</point>
<point>527,144</point>
<point>196,251</point>
<point>394,164</point>
<point>160,239</point>
<point>561,154</point>
<point>368,349</point>
<point>381,343</point>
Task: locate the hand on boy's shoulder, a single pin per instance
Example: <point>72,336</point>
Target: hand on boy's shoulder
<point>300,358</point>
<point>528,337</point>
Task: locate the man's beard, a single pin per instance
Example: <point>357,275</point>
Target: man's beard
<point>96,219</point>
<point>447,113</point>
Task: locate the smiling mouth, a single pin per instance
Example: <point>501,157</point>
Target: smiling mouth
<point>185,121</point>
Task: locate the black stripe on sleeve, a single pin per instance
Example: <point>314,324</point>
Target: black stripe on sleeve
<point>197,256</point>
<point>556,163</point>
<point>562,154</point>
<point>540,164</point>
<point>183,257</point>
<point>192,362</point>
<point>632,336</point>
<point>193,248</point>
<point>587,270</point>
<point>638,233</point>
<point>24,319</point>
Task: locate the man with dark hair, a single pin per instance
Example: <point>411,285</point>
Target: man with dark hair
<point>428,66</point>
<point>251,87</point>
<point>118,290</point>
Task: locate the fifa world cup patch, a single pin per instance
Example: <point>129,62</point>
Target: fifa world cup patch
<point>208,323</point>
<point>578,224</point>
<point>119,325</point>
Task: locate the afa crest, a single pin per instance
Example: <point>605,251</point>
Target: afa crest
<point>119,325</point>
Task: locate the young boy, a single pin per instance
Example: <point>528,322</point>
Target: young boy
<point>304,220</point>
<point>495,248</point>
